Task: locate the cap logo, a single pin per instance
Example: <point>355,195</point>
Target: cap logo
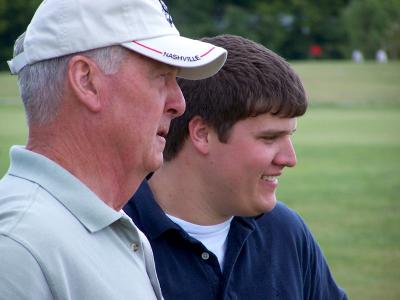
<point>166,13</point>
<point>182,58</point>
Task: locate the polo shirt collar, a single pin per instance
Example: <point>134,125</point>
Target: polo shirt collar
<point>152,217</point>
<point>247,222</point>
<point>84,204</point>
<point>155,222</point>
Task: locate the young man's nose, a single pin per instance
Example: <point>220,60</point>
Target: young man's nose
<point>286,155</point>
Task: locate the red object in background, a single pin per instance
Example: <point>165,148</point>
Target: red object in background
<point>315,50</point>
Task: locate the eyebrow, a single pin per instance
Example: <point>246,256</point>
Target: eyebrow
<point>165,67</point>
<point>273,132</point>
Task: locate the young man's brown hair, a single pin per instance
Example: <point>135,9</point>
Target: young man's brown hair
<point>267,84</point>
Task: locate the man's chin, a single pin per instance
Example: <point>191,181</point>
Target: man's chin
<point>156,163</point>
<point>266,207</point>
<point>268,204</point>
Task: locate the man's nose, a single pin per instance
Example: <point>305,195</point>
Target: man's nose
<point>175,104</point>
<point>286,155</point>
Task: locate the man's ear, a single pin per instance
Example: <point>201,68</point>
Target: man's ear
<point>199,132</point>
<point>83,76</point>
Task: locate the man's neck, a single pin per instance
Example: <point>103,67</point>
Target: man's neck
<point>99,169</point>
<point>181,192</point>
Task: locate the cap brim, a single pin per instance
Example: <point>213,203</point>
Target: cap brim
<point>195,59</point>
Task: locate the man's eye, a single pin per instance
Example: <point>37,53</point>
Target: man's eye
<point>165,76</point>
<point>270,137</point>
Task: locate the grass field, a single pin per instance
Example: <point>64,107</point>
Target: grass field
<point>346,184</point>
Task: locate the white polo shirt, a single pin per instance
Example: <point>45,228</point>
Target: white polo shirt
<point>58,240</point>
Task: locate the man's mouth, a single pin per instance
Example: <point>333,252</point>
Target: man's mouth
<point>162,132</point>
<point>269,178</point>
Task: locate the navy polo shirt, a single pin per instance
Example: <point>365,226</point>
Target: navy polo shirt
<point>272,256</point>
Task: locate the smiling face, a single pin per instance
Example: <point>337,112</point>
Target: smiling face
<point>144,98</point>
<point>243,172</point>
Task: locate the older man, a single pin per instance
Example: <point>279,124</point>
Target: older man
<point>98,81</point>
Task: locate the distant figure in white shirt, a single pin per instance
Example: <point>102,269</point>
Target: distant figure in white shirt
<point>357,56</point>
<point>381,56</point>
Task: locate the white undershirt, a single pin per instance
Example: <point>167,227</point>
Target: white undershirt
<point>213,237</point>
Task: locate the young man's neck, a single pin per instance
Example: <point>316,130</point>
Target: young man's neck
<point>180,192</point>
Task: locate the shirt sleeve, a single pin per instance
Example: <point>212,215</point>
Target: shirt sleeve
<point>319,282</point>
<point>20,274</point>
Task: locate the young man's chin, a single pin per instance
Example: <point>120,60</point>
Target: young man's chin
<point>265,206</point>
<point>268,204</point>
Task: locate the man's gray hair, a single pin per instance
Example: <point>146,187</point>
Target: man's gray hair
<point>41,85</point>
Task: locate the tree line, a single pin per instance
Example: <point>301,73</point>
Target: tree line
<point>296,29</point>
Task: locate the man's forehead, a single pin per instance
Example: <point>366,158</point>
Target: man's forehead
<point>149,63</point>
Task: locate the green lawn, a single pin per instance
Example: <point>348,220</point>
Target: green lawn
<point>8,89</point>
<point>346,184</point>
<point>344,83</point>
<point>13,131</point>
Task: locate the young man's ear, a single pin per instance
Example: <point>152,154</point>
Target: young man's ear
<point>82,77</point>
<point>199,134</point>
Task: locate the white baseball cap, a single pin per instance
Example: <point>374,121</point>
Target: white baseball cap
<point>61,27</point>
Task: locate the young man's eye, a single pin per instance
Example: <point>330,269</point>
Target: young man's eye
<point>272,136</point>
<point>269,139</point>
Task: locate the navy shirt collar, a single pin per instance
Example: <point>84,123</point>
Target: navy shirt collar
<point>150,218</point>
<point>147,214</point>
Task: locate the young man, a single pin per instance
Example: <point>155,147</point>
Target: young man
<point>98,81</point>
<point>210,212</point>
